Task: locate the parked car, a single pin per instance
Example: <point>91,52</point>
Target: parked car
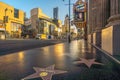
<point>41,36</point>
<point>38,36</point>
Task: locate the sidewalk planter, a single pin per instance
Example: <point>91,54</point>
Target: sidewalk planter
<point>111,39</point>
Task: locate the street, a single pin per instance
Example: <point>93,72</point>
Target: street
<point>10,46</point>
<point>79,60</point>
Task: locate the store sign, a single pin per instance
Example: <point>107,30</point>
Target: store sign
<point>80,7</point>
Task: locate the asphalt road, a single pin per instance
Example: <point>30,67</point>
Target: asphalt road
<point>10,46</point>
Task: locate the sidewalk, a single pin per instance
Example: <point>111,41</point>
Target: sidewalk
<point>79,59</point>
<point>16,39</point>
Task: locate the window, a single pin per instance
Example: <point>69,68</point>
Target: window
<point>16,13</point>
<point>15,27</point>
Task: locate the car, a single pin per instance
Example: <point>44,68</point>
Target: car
<point>38,36</point>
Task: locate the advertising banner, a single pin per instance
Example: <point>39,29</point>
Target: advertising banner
<point>79,16</point>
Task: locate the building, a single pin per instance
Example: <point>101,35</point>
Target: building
<point>56,19</point>
<point>101,12</point>
<point>11,21</point>
<point>104,24</point>
<point>27,22</point>
<point>55,13</point>
<point>80,15</point>
<point>66,23</point>
<point>63,30</point>
<point>42,23</point>
<point>27,30</point>
<point>59,27</point>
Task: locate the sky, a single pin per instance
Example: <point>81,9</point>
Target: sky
<point>46,6</point>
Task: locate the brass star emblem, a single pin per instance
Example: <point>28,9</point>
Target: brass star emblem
<point>44,73</point>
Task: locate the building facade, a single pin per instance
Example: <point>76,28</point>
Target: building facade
<point>42,23</point>
<point>104,24</point>
<point>27,30</point>
<point>11,21</point>
<point>98,14</point>
<point>66,23</point>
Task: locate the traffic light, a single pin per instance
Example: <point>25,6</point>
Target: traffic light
<point>5,19</point>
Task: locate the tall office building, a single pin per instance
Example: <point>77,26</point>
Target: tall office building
<point>55,13</point>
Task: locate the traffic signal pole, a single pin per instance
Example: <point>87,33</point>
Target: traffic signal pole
<point>69,35</point>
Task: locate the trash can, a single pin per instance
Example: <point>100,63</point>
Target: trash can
<point>49,37</point>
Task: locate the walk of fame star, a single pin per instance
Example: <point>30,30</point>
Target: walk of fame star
<point>87,62</point>
<point>44,73</point>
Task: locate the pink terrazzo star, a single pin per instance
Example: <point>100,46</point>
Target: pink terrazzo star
<point>44,73</point>
<point>87,62</point>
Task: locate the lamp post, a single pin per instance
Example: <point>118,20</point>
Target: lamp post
<point>69,39</point>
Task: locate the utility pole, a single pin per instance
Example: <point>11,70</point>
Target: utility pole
<point>69,38</point>
<point>69,34</point>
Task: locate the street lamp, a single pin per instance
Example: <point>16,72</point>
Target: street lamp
<point>69,39</point>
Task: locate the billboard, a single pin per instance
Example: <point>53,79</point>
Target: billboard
<point>79,16</point>
<point>80,7</point>
<point>79,11</point>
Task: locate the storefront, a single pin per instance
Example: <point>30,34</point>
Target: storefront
<point>2,30</point>
<point>15,30</point>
